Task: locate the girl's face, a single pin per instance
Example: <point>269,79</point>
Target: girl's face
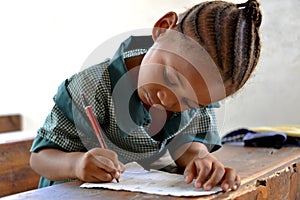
<point>168,78</point>
<point>161,82</point>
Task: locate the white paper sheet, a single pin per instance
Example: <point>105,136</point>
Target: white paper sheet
<point>136,179</point>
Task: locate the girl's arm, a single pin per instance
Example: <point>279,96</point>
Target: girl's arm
<point>204,167</point>
<point>96,165</point>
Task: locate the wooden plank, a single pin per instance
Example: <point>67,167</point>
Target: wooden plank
<point>258,161</point>
<point>266,174</point>
<point>282,184</point>
<point>16,174</point>
<point>10,123</point>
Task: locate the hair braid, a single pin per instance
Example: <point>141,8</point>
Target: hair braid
<point>249,46</point>
<point>195,22</point>
<point>191,26</point>
<point>230,34</point>
<point>181,20</point>
<point>229,24</point>
<point>240,52</point>
<point>209,33</point>
<point>219,22</point>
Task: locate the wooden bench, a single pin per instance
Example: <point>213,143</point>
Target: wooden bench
<point>16,174</point>
<point>9,123</point>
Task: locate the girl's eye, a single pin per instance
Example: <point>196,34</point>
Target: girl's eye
<point>169,78</point>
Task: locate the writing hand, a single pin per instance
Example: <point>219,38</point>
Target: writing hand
<point>98,165</point>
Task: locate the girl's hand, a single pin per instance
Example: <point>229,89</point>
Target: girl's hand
<point>98,165</point>
<point>209,172</point>
<point>199,164</point>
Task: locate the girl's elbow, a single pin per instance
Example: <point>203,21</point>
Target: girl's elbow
<point>33,161</point>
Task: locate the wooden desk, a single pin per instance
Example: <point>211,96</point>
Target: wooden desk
<point>266,174</point>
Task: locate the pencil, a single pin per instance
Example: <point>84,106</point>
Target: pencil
<point>95,124</point>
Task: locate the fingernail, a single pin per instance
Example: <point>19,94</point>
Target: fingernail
<point>198,185</point>
<point>186,176</point>
<point>226,186</point>
<point>207,187</point>
<point>235,187</point>
<point>117,174</point>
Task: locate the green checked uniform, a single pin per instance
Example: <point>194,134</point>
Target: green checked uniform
<point>121,115</point>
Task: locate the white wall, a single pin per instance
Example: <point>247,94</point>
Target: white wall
<point>271,97</point>
<point>44,42</point>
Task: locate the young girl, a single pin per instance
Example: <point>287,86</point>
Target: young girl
<point>156,94</point>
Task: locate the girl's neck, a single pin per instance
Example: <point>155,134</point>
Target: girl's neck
<point>131,63</point>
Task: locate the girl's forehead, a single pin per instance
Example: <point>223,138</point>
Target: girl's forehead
<point>183,50</point>
<point>184,47</point>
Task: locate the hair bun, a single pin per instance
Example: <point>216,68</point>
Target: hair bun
<point>252,7</point>
<point>252,11</point>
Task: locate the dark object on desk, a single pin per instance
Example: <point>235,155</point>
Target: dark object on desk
<point>246,137</point>
<point>235,136</point>
<point>292,142</point>
<point>266,139</point>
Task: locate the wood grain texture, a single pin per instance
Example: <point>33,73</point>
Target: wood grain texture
<point>15,172</point>
<point>10,123</point>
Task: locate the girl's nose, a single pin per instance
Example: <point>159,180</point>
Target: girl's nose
<point>167,98</point>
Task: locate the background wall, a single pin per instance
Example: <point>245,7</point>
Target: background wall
<point>44,42</point>
<point>271,96</point>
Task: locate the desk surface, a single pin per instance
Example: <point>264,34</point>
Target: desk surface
<point>266,174</point>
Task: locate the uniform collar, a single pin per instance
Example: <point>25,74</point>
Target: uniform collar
<point>138,114</point>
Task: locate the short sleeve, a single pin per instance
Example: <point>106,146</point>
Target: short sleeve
<point>67,125</point>
<point>58,132</point>
<point>202,128</point>
<point>41,143</point>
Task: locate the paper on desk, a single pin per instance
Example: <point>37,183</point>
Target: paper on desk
<point>136,179</point>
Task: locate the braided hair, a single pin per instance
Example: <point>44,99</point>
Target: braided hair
<point>230,34</point>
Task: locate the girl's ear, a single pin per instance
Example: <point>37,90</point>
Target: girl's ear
<point>168,21</point>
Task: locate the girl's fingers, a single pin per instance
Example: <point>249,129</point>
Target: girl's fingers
<point>237,183</point>
<point>106,165</point>
<point>121,167</point>
<point>208,176</point>
<point>203,172</point>
<point>110,155</point>
<point>189,173</point>
<point>101,176</point>
<point>231,180</point>
<point>215,178</point>
<point>99,165</point>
